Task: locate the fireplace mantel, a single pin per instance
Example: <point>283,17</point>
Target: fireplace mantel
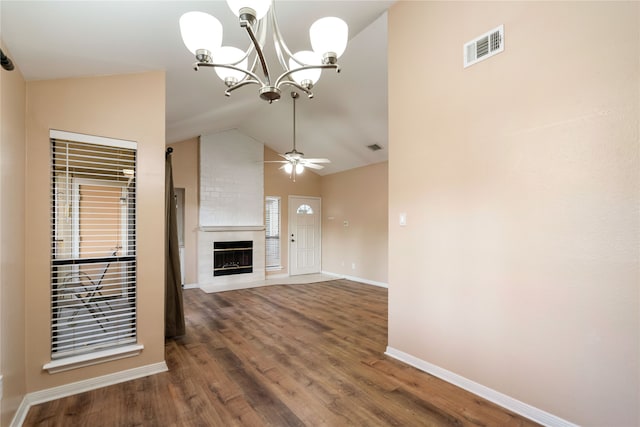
<point>232,228</point>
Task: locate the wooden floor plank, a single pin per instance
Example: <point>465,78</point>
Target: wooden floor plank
<point>285,355</point>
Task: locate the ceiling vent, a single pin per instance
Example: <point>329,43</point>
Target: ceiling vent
<point>484,46</point>
<point>374,147</point>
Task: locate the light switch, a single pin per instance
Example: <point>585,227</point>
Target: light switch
<point>403,219</point>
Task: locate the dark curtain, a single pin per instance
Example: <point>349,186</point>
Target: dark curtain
<point>173,309</point>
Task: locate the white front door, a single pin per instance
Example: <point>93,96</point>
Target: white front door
<point>304,235</point>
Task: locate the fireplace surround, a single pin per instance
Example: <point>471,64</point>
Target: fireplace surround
<point>208,236</point>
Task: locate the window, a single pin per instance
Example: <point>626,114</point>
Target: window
<point>93,245</point>
<point>272,226</point>
<point>305,209</point>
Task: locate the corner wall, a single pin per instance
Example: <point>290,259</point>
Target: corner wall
<point>12,232</point>
<point>355,223</point>
<point>519,266</point>
<point>130,107</point>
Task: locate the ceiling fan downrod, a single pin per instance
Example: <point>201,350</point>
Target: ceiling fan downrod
<point>294,95</point>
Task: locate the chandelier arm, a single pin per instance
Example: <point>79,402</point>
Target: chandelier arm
<point>239,85</point>
<point>279,54</point>
<point>261,35</point>
<point>297,86</point>
<point>233,67</point>
<point>263,62</point>
<point>278,40</point>
<point>306,67</point>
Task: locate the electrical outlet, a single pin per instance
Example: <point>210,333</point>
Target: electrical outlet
<point>353,265</point>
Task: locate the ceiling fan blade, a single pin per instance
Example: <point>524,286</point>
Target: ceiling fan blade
<point>276,161</point>
<point>317,160</point>
<point>284,156</point>
<point>313,166</point>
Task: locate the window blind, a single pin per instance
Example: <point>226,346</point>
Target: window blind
<point>272,227</point>
<point>93,246</point>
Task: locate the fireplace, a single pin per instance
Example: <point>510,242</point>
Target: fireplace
<point>232,257</point>
<point>254,270</point>
<point>231,209</point>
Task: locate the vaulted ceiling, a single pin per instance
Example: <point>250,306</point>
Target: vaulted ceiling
<point>61,39</point>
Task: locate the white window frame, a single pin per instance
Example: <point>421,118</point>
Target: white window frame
<point>278,265</point>
<point>104,354</point>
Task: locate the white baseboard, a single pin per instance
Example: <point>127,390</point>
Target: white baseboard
<point>357,279</point>
<point>21,414</point>
<point>190,286</point>
<point>275,280</point>
<point>59,392</point>
<point>514,405</point>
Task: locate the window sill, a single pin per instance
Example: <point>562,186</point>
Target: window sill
<point>74,362</point>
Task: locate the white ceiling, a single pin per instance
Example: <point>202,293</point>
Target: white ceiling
<point>60,39</point>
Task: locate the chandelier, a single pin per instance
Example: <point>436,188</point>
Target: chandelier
<point>202,35</point>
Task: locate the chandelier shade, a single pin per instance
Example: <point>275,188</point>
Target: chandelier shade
<point>200,30</point>
<point>329,35</point>
<point>260,7</point>
<point>230,55</point>
<point>202,35</point>
<point>301,58</point>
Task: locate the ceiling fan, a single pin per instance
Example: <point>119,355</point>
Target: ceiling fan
<point>294,163</point>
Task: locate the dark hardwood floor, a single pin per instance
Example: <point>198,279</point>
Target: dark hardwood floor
<point>286,355</point>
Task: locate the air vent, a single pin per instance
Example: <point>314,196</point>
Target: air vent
<point>483,47</point>
<point>374,147</point>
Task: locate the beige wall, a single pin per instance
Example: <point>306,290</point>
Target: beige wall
<point>186,175</point>
<point>518,268</point>
<point>12,229</point>
<point>278,183</point>
<point>128,107</point>
<point>360,197</point>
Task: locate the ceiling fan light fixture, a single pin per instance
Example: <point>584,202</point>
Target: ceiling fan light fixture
<point>201,33</point>
<point>293,161</point>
